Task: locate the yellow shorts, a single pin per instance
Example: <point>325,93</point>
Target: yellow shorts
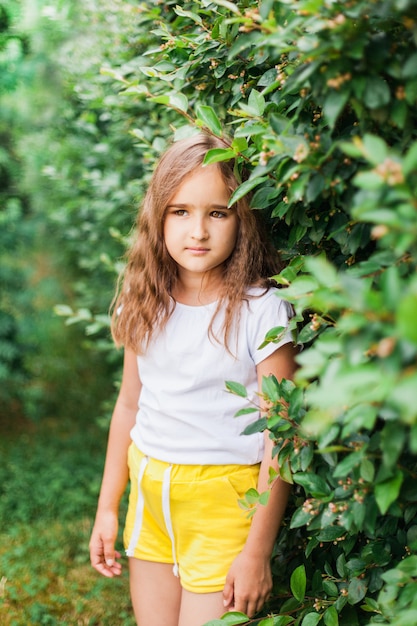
<point>188,515</point>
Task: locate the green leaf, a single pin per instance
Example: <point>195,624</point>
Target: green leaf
<point>394,577</point>
<point>286,474</point>
<point>368,180</point>
<point>107,71</point>
<point>174,100</point>
<point>410,67</point>
<point>349,462</point>
<point>246,411</point>
<point>264,497</point>
<point>409,566</point>
<point>257,426</point>
<point>252,496</point>
<point>193,16</point>
<point>313,484</point>
<point>334,105</point>
<point>63,310</point>
<point>232,618</point>
<point>208,117</point>
<point>227,5</point>
<point>322,270</point>
<point>301,518</point>
<point>270,388</point>
<point>351,149</point>
<point>256,102</point>
<point>331,533</point>
<point>239,144</point>
<point>298,582</point>
<point>406,317</point>
<point>377,93</point>
<point>277,620</point>
<point>356,590</point>
<point>245,188</point>
<point>218,154</point>
<point>311,619</point>
<point>410,160</point>
<point>375,149</point>
<point>330,588</point>
<point>393,438</point>
<point>331,617</point>
<point>367,470</point>
<point>273,336</point>
<point>387,492</point>
<point>237,388</point>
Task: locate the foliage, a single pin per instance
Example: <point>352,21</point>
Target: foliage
<point>318,101</point>
<point>49,481</point>
<point>36,358</point>
<point>66,492</point>
<point>12,371</point>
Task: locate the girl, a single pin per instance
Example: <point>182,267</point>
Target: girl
<point>194,307</point>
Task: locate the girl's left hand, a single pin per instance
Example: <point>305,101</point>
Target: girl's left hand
<point>248,583</point>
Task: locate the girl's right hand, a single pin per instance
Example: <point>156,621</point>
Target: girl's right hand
<point>102,553</point>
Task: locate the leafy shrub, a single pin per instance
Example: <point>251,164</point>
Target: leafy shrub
<point>318,100</point>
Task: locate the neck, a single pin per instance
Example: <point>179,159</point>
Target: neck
<point>196,291</point>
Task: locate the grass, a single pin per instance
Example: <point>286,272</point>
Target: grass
<point>46,578</point>
<point>49,479</point>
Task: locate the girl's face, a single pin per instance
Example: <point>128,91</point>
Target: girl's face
<point>200,232</point>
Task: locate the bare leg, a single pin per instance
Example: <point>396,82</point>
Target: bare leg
<point>155,593</point>
<point>199,608</point>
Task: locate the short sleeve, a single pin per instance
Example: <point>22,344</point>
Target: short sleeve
<point>266,312</point>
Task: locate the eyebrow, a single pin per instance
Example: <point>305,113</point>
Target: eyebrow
<point>178,205</point>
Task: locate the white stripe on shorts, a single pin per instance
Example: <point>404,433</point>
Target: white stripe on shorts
<point>139,510</point>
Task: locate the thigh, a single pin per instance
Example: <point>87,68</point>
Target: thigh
<point>155,593</point>
<point>199,608</point>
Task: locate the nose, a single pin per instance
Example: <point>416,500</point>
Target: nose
<point>199,229</point>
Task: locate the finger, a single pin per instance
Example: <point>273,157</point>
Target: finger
<point>251,608</point>
<point>98,560</point>
<point>228,594</point>
<point>260,604</point>
<point>241,605</point>
<point>106,570</point>
<point>109,552</point>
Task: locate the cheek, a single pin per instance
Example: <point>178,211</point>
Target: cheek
<point>168,230</point>
<point>231,238</point>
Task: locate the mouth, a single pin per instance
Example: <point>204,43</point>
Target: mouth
<point>198,250</point>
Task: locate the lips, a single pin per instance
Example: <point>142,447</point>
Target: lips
<point>198,250</point>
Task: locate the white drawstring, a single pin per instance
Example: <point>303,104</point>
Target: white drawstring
<point>139,510</point>
<point>167,515</point>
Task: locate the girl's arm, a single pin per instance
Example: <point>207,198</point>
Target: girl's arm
<point>249,581</point>
<point>102,553</point>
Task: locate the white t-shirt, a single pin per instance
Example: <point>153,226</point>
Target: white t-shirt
<point>186,415</point>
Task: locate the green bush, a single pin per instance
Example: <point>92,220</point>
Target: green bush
<point>319,101</point>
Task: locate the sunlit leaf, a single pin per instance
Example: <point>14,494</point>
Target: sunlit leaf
<point>237,388</point>
<point>208,117</point>
<point>298,583</point>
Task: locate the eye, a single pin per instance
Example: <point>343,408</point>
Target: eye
<point>218,214</point>
<point>179,212</point>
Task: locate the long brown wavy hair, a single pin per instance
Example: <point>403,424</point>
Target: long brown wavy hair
<point>144,303</point>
